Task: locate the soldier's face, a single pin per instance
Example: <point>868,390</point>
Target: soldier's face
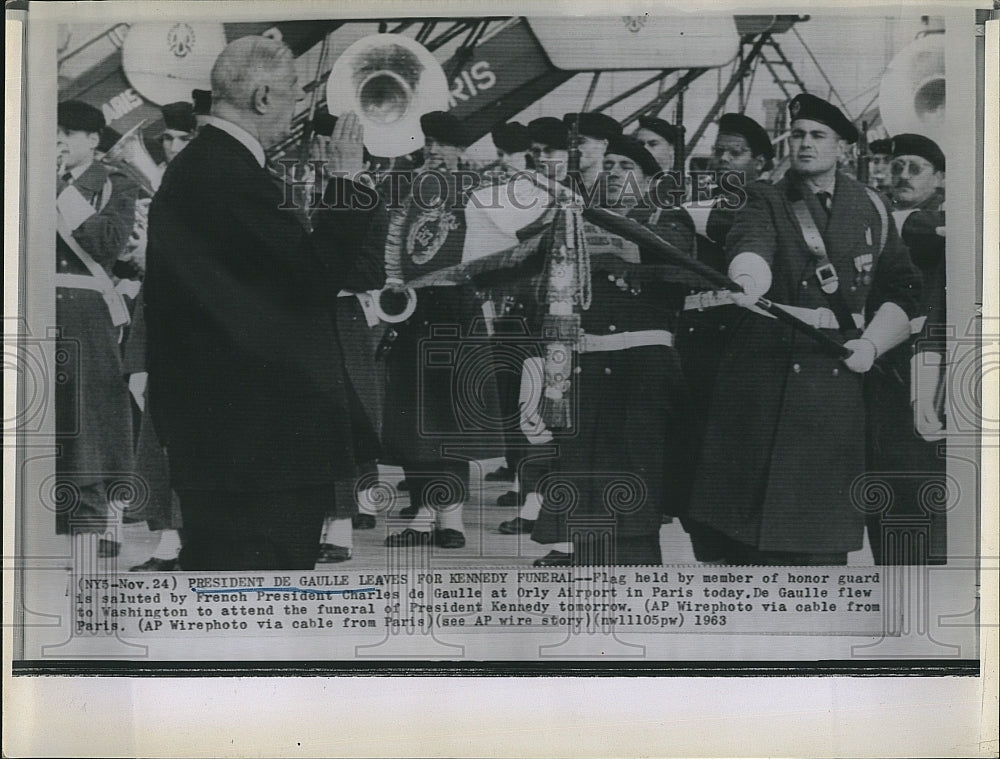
<point>814,147</point>
<point>661,150</point>
<point>626,181</point>
<point>591,152</point>
<point>914,180</point>
<point>174,141</point>
<point>553,162</point>
<point>75,148</point>
<point>440,155</point>
<point>878,170</point>
<point>731,152</point>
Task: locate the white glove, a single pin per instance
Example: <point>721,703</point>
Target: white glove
<point>926,421</point>
<point>137,386</point>
<point>863,355</point>
<point>751,272</point>
<point>925,378</point>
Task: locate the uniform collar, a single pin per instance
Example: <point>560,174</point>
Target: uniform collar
<point>241,135</point>
<point>91,178</point>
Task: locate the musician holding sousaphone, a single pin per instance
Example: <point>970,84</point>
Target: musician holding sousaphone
<point>427,404</point>
<point>95,211</point>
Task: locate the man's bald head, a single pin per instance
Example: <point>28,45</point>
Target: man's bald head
<point>254,84</point>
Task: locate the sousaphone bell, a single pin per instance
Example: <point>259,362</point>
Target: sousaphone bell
<point>389,81</point>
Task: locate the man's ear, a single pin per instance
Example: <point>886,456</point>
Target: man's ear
<point>760,162</point>
<point>939,179</point>
<point>261,100</point>
<point>93,140</point>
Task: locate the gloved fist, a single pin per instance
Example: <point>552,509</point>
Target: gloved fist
<point>743,298</point>
<point>862,356</point>
<point>926,421</point>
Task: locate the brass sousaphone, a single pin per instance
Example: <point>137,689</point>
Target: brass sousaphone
<point>912,91</point>
<point>130,154</point>
<point>389,81</point>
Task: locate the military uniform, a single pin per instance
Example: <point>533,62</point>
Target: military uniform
<point>914,465</point>
<point>785,436</point>
<point>622,458</point>
<point>93,414</point>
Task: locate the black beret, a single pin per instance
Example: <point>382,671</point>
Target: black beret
<point>632,148</point>
<point>202,102</point>
<point>512,137</point>
<point>179,116</point>
<point>806,106</point>
<point>880,147</point>
<point>109,137</point>
<point>323,122</point>
<point>598,126</point>
<point>665,129</point>
<point>549,131</point>
<point>445,128</point>
<point>917,144</point>
<point>77,116</point>
<point>755,135</point>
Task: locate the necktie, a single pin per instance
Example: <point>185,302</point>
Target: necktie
<point>825,200</point>
<point>67,177</point>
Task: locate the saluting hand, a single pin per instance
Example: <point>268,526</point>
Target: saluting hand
<point>346,146</point>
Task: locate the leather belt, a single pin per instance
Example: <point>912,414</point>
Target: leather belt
<point>625,340</point>
<point>708,299</point>
<point>820,318</point>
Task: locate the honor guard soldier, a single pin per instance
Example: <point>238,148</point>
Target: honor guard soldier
<point>879,177</point>
<point>785,438</point>
<point>594,131</point>
<point>549,147</point>
<point>631,405</point>
<point>162,513</point>
<point>360,331</point>
<point>549,151</point>
<point>425,408</point>
<point>95,211</point>
<point>179,127</point>
<point>906,403</point>
<point>741,146</point>
<point>506,309</point>
<point>660,138</point>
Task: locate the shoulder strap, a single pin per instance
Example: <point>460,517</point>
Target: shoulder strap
<point>826,272</point>
<point>112,298</point>
<point>883,216</point>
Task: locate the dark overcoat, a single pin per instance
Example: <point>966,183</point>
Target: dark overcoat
<point>623,459</point>
<point>93,415</point>
<point>441,390</point>
<point>893,443</point>
<point>786,434</point>
<point>247,384</point>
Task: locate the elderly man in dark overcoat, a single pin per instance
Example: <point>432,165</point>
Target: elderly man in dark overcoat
<point>247,385</point>
<point>785,439</point>
<point>95,211</point>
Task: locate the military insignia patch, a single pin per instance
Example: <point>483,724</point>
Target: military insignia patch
<point>428,233</point>
<point>180,40</point>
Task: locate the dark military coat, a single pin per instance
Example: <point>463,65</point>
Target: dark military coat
<point>909,462</point>
<point>785,439</point>
<point>93,414</point>
<point>622,457</point>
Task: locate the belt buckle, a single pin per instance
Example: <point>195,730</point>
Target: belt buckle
<point>827,277</point>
